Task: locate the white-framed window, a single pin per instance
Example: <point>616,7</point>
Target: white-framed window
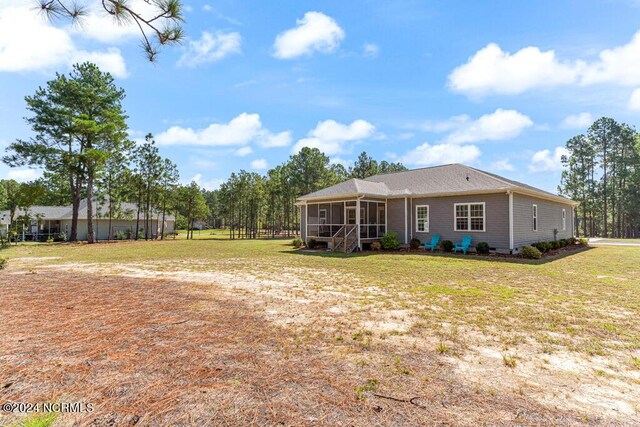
<point>422,218</point>
<point>534,212</point>
<point>322,216</point>
<point>469,216</point>
<point>564,219</point>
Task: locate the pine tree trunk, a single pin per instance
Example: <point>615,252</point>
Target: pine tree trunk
<point>75,209</point>
<point>90,234</point>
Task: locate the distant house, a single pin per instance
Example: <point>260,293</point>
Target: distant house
<point>48,221</point>
<point>450,200</point>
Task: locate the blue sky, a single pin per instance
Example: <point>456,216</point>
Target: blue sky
<point>499,85</point>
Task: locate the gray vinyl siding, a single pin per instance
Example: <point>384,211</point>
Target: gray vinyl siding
<point>549,218</point>
<point>101,227</point>
<point>441,219</point>
<point>395,217</point>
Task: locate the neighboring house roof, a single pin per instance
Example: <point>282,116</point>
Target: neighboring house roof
<point>127,211</point>
<point>433,181</point>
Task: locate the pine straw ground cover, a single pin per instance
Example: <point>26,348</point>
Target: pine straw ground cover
<point>157,352</point>
<point>476,340</point>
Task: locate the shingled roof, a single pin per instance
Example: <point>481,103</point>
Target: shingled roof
<point>127,212</point>
<point>432,181</point>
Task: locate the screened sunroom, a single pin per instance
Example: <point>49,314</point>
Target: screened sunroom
<point>346,223</point>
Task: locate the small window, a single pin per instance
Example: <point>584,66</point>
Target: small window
<point>469,216</point>
<point>564,219</point>
<point>323,216</point>
<point>381,215</point>
<point>535,217</point>
<point>422,218</point>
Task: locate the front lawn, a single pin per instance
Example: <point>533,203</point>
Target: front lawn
<point>505,329</point>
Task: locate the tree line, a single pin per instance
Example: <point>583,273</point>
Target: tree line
<point>80,141</point>
<point>251,205</point>
<point>602,172</point>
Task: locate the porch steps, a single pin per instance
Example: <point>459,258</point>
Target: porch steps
<point>345,239</point>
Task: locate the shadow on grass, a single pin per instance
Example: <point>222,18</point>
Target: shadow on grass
<point>510,259</point>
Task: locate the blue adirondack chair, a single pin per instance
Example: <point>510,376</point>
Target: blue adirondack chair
<point>435,239</point>
<point>464,245</point>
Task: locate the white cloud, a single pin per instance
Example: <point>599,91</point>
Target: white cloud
<point>502,165</point>
<point>23,175</point>
<point>634,100</point>
<point>370,50</point>
<point>29,43</point>
<point>340,161</point>
<point>497,126</point>
<point>619,65</point>
<point>578,121</point>
<point>259,164</point>
<point>314,32</point>
<point>243,151</point>
<point>241,130</point>
<point>281,139</point>
<point>210,48</point>
<point>207,184</point>
<point>492,70</point>
<point>425,154</point>
<point>546,161</point>
<point>330,136</point>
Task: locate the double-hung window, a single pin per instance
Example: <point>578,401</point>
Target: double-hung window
<point>535,217</point>
<point>323,216</point>
<point>564,219</point>
<point>422,218</point>
<point>469,216</point>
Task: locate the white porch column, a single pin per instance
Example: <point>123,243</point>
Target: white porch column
<point>406,229</point>
<point>386,209</point>
<point>358,222</point>
<point>306,222</point>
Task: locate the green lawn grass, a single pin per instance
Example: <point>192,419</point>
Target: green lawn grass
<point>586,302</point>
<point>607,240</point>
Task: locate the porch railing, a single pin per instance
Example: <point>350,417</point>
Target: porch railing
<point>345,239</point>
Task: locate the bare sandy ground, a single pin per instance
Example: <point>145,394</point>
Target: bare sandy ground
<point>559,389</point>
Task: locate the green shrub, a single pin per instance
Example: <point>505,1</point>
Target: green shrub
<point>483,248</point>
<point>375,246</point>
<point>446,245</point>
<point>390,241</point>
<point>555,244</point>
<point>297,242</point>
<point>50,239</point>
<point>564,242</point>
<point>583,241</point>
<point>573,240</point>
<point>531,252</point>
<point>312,243</point>
<point>61,237</point>
<point>542,246</point>
<point>3,263</point>
<point>414,243</point>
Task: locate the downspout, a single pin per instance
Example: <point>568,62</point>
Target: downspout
<point>406,231</point>
<point>411,226</point>
<point>510,193</point>
<point>358,219</point>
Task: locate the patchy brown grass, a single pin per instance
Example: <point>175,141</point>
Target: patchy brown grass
<point>165,352</point>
